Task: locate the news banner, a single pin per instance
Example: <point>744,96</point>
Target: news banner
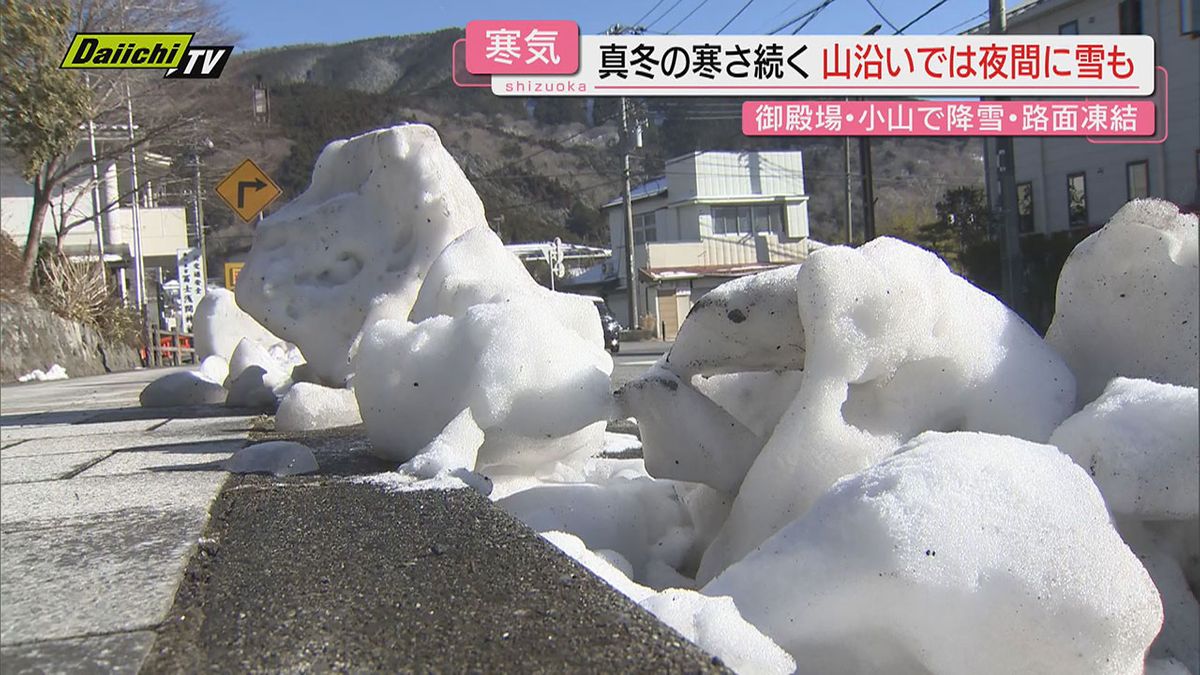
<point>1052,85</point>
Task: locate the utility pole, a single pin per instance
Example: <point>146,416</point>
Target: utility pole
<point>139,272</point>
<point>91,128</point>
<point>630,268</point>
<point>849,195</point>
<point>868,187</point>
<point>868,176</point>
<point>627,197</point>
<point>1012,269</point>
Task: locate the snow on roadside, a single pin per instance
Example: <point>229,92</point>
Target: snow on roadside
<point>54,372</point>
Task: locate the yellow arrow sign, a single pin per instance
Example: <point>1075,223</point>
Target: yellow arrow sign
<point>247,190</point>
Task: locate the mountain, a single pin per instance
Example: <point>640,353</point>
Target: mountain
<point>542,166</point>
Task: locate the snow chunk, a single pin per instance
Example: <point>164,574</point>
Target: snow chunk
<point>712,623</point>
<point>214,369</point>
<point>256,378</point>
<point>750,323</point>
<point>895,344</point>
<point>185,387</point>
<point>307,406</point>
<point>219,325</point>
<point>537,389</point>
<point>476,269</point>
<point>1140,443</point>
<point>380,209</point>
<point>716,626</point>
<point>55,372</point>
<point>281,458</point>
<point>1126,302</point>
<point>960,548</point>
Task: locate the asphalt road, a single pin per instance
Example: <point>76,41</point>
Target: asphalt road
<point>634,358</point>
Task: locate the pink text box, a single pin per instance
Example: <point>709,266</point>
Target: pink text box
<point>522,47</point>
<point>1115,118</point>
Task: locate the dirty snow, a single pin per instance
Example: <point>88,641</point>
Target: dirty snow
<point>846,462</point>
<point>183,387</point>
<point>1126,302</point>
<point>54,372</point>
<point>380,208</point>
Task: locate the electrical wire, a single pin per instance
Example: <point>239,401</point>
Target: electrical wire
<point>689,15</point>
<point>881,16</point>
<point>735,16</point>
<point>648,12</point>
<point>924,14</point>
<point>664,14</point>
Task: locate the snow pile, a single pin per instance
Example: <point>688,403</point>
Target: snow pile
<point>536,390</point>
<point>184,387</point>
<point>257,377</point>
<point>380,208</point>
<point>279,458</point>
<point>893,344</point>
<point>253,367</point>
<point>713,623</point>
<point>1140,443</point>
<point>308,406</point>
<point>55,372</point>
<point>1126,302</point>
<point>959,548</point>
<point>219,325</point>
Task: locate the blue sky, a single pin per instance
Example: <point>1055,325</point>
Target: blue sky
<point>271,23</point>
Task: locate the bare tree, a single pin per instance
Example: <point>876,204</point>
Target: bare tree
<point>44,108</point>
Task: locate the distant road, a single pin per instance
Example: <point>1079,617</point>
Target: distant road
<point>634,358</point>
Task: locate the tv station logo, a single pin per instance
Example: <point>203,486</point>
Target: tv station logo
<point>173,52</point>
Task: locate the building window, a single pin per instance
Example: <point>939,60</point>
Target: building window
<point>1129,17</point>
<point>1069,28</point>
<point>1025,208</point>
<point>749,219</point>
<point>1189,17</point>
<point>645,229</point>
<point>1077,212</point>
<point>1137,180</point>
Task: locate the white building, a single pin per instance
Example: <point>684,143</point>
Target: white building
<point>1064,182</point>
<point>714,216</point>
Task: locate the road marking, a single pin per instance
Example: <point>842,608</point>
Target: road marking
<point>638,363</point>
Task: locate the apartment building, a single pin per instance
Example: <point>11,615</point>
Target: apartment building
<point>712,217</point>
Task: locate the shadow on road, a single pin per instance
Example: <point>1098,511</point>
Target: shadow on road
<point>122,415</point>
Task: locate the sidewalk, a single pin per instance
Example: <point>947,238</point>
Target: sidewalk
<point>111,562</point>
<point>101,506</point>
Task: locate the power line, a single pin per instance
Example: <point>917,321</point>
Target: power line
<point>924,14</point>
<point>960,24</point>
<point>664,14</point>
<point>802,16</point>
<point>881,16</point>
<point>735,16</point>
<point>648,13</point>
<point>689,15</point>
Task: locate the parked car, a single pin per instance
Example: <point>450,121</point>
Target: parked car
<point>612,327</point>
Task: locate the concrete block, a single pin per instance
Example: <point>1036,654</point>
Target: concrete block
<point>119,653</point>
<point>46,467</point>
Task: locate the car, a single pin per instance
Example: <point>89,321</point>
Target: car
<point>612,327</point>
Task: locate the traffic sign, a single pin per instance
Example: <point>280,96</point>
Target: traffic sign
<point>247,190</point>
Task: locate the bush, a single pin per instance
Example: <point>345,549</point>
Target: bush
<point>77,291</point>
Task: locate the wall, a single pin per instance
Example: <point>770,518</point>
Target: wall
<point>31,337</point>
<point>1046,162</point>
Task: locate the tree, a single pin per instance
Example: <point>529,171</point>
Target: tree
<point>41,105</point>
<point>44,108</point>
